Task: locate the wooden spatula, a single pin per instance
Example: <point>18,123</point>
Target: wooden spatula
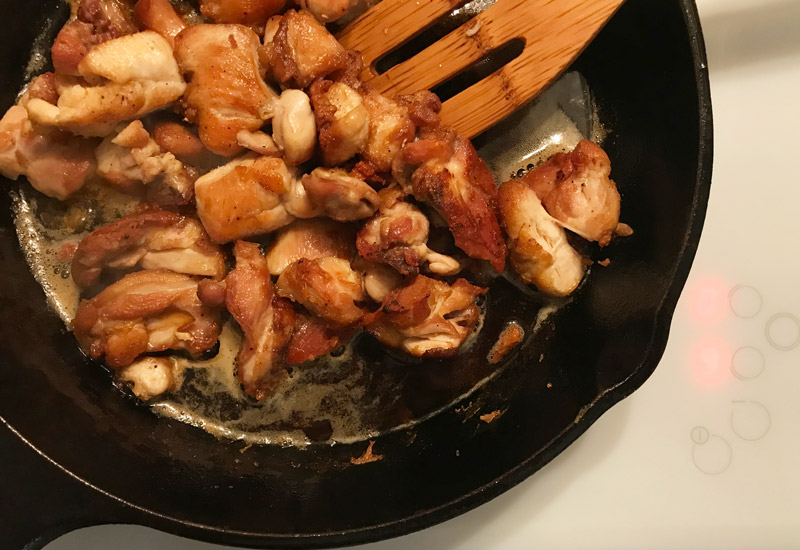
<point>554,32</point>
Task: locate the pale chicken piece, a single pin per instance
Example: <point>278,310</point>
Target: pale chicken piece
<point>328,11</point>
<point>444,170</point>
<point>244,198</point>
<point>427,318</point>
<point>149,377</point>
<point>293,127</point>
<point>397,236</point>
<point>56,163</point>
<point>266,321</point>
<point>161,17</point>
<point>379,279</point>
<point>302,50</point>
<point>538,248</point>
<point>125,78</point>
<point>340,196</point>
<point>93,22</point>
<point>131,159</point>
<point>576,189</point>
<point>309,240</point>
<point>327,287</point>
<point>145,312</point>
<point>247,12</point>
<point>342,119</point>
<point>226,93</point>
<point>258,142</point>
<point>153,239</point>
<point>390,128</point>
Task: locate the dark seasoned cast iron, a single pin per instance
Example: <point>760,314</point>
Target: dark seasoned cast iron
<point>95,457</point>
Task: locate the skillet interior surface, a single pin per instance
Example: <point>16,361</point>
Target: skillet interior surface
<point>647,73</point>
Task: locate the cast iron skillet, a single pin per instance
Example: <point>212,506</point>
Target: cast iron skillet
<point>95,457</point>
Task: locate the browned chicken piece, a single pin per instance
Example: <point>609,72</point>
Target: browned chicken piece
<point>132,158</point>
<point>226,93</point>
<point>159,16</point>
<point>293,127</point>
<point>397,236</point>
<point>243,198</point>
<point>309,240</point>
<point>313,338</point>
<point>538,248</point>
<point>442,169</point>
<point>153,239</point>
<point>266,321</point>
<point>390,128</point>
<point>379,279</point>
<point>576,189</point>
<point>302,50</point>
<point>246,12</point>
<point>94,22</point>
<point>427,318</point>
<point>340,196</point>
<point>327,11</point>
<point>55,163</point>
<point>182,141</point>
<point>327,287</point>
<point>342,119</point>
<point>145,312</point>
<point>113,90</point>
<point>149,377</point>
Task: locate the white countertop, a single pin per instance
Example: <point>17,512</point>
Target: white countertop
<point>705,454</point>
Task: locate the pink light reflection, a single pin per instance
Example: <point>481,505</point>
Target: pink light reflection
<point>710,361</point>
<point>708,301</point>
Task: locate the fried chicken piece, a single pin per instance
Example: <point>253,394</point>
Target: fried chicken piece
<point>442,169</point>
<point>379,279</point>
<point>427,318</point>
<point>539,250</point>
<point>576,189</point>
<point>313,338</point>
<point>342,119</point>
<point>294,128</point>
<point>309,240</point>
<point>302,50</point>
<point>243,198</point>
<point>340,196</point>
<point>390,128</point>
<point>149,377</point>
<point>55,163</point>
<point>327,287</point>
<point>327,11</point>
<point>153,239</point>
<point>145,312</point>
<point>95,22</point>
<point>226,93</point>
<point>182,141</point>
<point>132,158</point>
<point>266,321</point>
<point>253,13</point>
<point>161,17</point>
<point>397,236</point>
<point>114,89</point>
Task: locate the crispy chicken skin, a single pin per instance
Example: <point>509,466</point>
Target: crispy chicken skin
<point>397,236</point>
<point>243,198</point>
<point>327,287</point>
<point>266,321</point>
<point>55,163</point>
<point>246,12</point>
<point>576,189</point>
<point>153,239</point>
<point>442,169</point>
<point>538,247</point>
<point>145,312</point>
<point>161,17</point>
<point>302,50</point>
<point>342,119</point>
<point>340,196</point>
<point>427,318</point>
<point>309,240</point>
<point>131,159</point>
<point>94,22</point>
<point>115,89</point>
<point>226,93</point>
<point>312,338</point>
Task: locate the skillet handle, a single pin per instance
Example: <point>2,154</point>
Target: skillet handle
<point>39,502</point>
